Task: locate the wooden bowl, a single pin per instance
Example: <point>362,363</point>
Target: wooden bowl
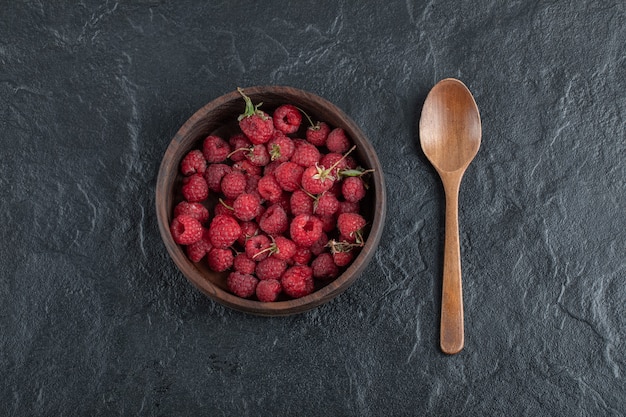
<point>219,117</point>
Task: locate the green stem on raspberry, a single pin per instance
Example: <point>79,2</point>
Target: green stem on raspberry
<point>357,172</point>
<point>249,149</point>
<point>222,202</point>
<point>251,109</point>
<point>314,126</point>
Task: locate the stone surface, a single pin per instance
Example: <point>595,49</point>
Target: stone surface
<point>95,318</point>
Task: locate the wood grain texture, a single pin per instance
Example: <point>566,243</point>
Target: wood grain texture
<point>450,135</point>
<point>219,116</point>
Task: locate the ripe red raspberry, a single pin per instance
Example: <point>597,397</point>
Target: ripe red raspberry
<point>193,163</point>
<point>306,154</point>
<point>247,167</point>
<point>318,133</point>
<point>343,258</point>
<point>233,184</point>
<point>224,231</point>
<point>320,245</point>
<point>326,205</point>
<point>350,226</point>
<point>214,174</point>
<point>274,221</point>
<point>353,189</point>
<point>281,147</point>
<point>254,123</point>
<point>252,185</point>
<point>305,230</point>
<point>196,251</point>
<point>269,189</point>
<point>215,149</point>
<point>243,264</point>
<point>246,206</point>
<point>284,249</point>
<point>239,144</point>
<point>337,141</point>
<point>220,260</point>
<point>195,210</point>
<point>195,189</point>
<point>289,175</point>
<point>287,118</point>
<point>270,168</point>
<point>348,207</point>
<point>248,229</point>
<point>302,256</point>
<point>224,207</point>
<point>324,267</point>
<point>301,203</point>
<point>297,281</point>
<point>270,268</point>
<point>242,285</point>
<point>258,155</point>
<point>317,179</point>
<point>186,230</point>
<point>258,247</point>
<point>268,290</point>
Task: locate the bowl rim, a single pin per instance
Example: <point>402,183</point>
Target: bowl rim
<point>286,307</point>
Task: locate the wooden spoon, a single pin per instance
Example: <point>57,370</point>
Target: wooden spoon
<point>450,134</point>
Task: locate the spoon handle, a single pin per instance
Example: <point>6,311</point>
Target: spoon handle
<point>452,333</point>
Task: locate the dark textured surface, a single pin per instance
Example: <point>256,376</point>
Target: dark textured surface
<point>96,320</point>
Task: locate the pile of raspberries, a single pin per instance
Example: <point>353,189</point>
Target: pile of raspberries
<point>286,210</point>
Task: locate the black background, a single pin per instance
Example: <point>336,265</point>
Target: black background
<point>95,319</point>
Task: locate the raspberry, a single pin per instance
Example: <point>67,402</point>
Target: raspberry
<point>195,189</point>
<point>223,231</point>
<point>247,167</point>
<point>270,168</point>
<point>224,207</point>
<point>326,205</point>
<point>269,189</point>
<point>348,207</point>
<point>195,210</point>
<point>258,247</point>
<point>288,176</point>
<point>350,226</point>
<point>280,147</point>
<point>297,281</point>
<point>274,221</point>
<point>242,285</point>
<point>270,268</point>
<point>324,267</point>
<point>318,133</point>
<point>254,123</point>
<point>239,143</point>
<point>316,180</point>
<point>243,264</point>
<point>215,149</point>
<point>353,189</point>
<point>246,207</point>
<point>248,229</point>
<point>220,260</point>
<point>305,230</point>
<point>258,155</point>
<point>284,249</point>
<point>302,256</point>
<point>283,201</point>
<point>337,141</point>
<point>233,184</point>
<point>268,290</point>
<point>320,245</point>
<point>252,185</point>
<point>342,258</point>
<point>301,203</point>
<point>287,118</point>
<point>214,174</point>
<point>186,230</point>
<point>306,154</point>
<point>196,251</point>
<point>193,163</point>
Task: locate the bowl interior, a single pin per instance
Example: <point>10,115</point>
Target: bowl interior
<point>220,117</point>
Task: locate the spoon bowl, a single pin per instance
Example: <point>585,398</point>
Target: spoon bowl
<point>450,133</point>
